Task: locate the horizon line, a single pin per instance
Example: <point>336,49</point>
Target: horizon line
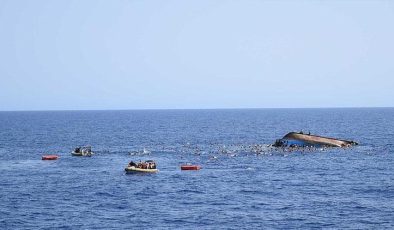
<point>227,108</point>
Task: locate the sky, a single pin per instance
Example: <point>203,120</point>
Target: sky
<point>195,54</point>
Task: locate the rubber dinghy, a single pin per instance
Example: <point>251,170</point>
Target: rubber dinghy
<point>132,169</point>
<point>49,157</point>
<point>148,166</point>
<point>85,151</point>
<point>190,167</point>
<point>294,139</point>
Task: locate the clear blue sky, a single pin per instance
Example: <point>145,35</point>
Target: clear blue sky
<point>126,54</point>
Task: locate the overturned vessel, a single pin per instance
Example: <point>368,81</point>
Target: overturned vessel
<point>300,139</point>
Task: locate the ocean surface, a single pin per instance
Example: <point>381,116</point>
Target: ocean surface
<point>237,187</point>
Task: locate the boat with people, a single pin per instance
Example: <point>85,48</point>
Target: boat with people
<point>148,166</point>
<point>84,151</point>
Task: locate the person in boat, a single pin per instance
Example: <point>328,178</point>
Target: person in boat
<point>77,149</point>
<point>151,164</point>
<point>132,164</point>
<point>86,151</point>
<point>142,165</point>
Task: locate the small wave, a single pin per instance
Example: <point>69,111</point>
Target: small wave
<point>107,194</point>
<point>190,191</point>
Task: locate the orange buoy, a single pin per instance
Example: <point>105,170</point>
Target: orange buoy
<point>50,157</point>
<point>190,167</point>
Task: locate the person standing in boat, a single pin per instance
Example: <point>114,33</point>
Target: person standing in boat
<point>132,164</point>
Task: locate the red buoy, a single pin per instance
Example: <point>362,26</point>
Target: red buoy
<point>50,157</point>
<point>190,167</point>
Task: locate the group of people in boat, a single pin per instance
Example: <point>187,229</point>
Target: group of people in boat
<point>143,165</point>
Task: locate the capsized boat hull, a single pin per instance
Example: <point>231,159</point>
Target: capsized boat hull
<point>139,170</point>
<point>301,139</point>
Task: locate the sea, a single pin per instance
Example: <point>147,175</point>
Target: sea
<point>244,183</point>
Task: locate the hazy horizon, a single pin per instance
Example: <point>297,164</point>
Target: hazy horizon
<point>120,109</point>
<point>133,55</point>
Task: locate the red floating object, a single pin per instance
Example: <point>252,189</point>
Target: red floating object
<point>50,157</point>
<point>190,167</point>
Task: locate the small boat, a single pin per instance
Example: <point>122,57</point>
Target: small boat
<point>49,157</point>
<point>190,167</point>
<point>148,166</point>
<point>85,151</point>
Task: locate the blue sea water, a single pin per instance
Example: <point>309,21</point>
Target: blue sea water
<point>333,188</point>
